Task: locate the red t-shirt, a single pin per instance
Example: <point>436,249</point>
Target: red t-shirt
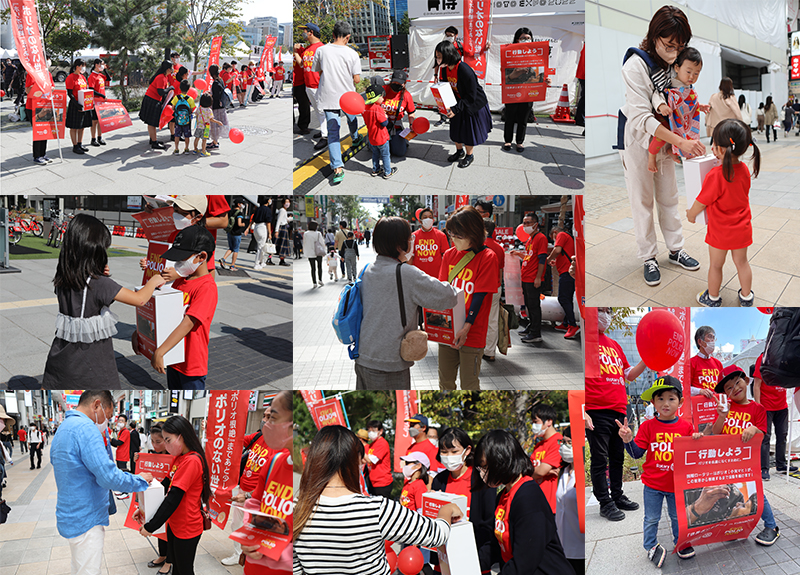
<point>479,275</point>
<point>392,102</point>
<point>608,390</point>
<point>580,74</point>
<point>269,484</point>
<point>772,398</point>
<point>705,372</point>
<point>740,417</point>
<point>429,449</point>
<point>76,82</point>
<point>728,208</point>
<point>225,76</point>
<point>452,78</point>
<point>278,74</point>
<point>429,249</point>
<point>23,435</point>
<point>217,205</point>
<point>186,474</point>
<point>373,116</point>
<point>311,79</point>
<point>124,451</point>
<point>498,252</point>
<point>380,473</point>
<point>258,456</point>
<point>534,247</point>
<point>200,295</point>
<point>656,437</point>
<point>97,82</point>
<point>461,486</point>
<point>29,81</point>
<point>567,244</point>
<point>161,82</point>
<point>547,452</point>
<point>297,70</point>
<point>411,496</point>
<point>250,74</point>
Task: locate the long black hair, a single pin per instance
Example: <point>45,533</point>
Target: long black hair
<point>83,253</point>
<point>76,64</point>
<point>162,69</point>
<point>503,457</point>
<point>182,71</point>
<point>520,32</point>
<point>735,137</point>
<point>179,425</point>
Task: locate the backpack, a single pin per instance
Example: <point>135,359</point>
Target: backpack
<point>224,97</point>
<point>347,317</point>
<point>657,75</point>
<point>231,228</point>
<point>780,365</point>
<point>183,112</point>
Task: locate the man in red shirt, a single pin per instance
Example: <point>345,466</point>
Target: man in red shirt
<point>123,444</point>
<point>379,460</point>
<point>534,260</point>
<point>311,80</point>
<point>299,92</point>
<point>705,370</point>
<point>419,433</point>
<point>546,458</point>
<point>774,401</point>
<point>561,257</point>
<point>607,404</point>
<point>22,435</point>
<point>494,312</point>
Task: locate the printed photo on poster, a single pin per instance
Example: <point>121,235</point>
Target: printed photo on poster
<point>736,500</point>
<point>525,71</point>
<point>49,115</point>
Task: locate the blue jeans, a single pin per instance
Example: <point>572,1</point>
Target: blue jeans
<point>653,502</point>
<point>378,153</point>
<point>177,380</point>
<point>333,120</point>
<point>767,516</point>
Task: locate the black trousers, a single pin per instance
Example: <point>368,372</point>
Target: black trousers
<point>580,117</point>
<point>385,492</point>
<point>39,147</point>
<point>36,449</point>
<point>774,132</point>
<point>23,446</point>
<point>566,289</point>
<point>780,421</point>
<point>516,114</point>
<point>182,553</point>
<point>303,106</point>
<point>316,270</point>
<point>608,453</point>
<point>534,306</point>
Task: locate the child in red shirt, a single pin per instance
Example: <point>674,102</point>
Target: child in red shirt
<point>190,250</point>
<point>415,472</point>
<point>725,197</point>
<point>377,133</point>
<point>655,437</point>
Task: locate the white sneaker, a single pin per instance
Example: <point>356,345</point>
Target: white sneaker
<point>257,268</point>
<point>232,560</point>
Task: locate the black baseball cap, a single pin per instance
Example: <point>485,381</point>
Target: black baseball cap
<point>190,241</point>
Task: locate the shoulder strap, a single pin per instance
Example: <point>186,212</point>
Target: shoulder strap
<point>460,266</point>
<point>253,441</point>
<point>400,293</point>
<point>641,53</point>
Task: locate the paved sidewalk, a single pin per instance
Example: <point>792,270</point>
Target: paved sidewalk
<point>616,547</point>
<point>552,163</point>
<point>321,362</point>
<point>614,274</point>
<point>250,343</point>
<point>259,165</point>
<point>30,543</point>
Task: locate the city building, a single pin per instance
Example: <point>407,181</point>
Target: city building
<point>397,9</point>
<point>371,20</point>
<point>285,34</point>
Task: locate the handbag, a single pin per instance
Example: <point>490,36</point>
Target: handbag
<point>319,246</point>
<point>206,517</point>
<point>270,247</point>
<point>414,345</point>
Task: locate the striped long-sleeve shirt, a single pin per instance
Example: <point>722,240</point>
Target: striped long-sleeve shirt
<point>346,535</point>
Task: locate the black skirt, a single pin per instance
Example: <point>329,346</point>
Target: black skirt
<point>77,118</point>
<point>150,113</point>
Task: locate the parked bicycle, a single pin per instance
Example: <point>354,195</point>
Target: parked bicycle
<point>14,232</point>
<point>29,225</point>
<point>59,227</point>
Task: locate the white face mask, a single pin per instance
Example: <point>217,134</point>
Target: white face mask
<point>450,38</point>
<point>565,451</point>
<point>435,442</point>
<point>102,426</point>
<point>181,222</point>
<point>461,245</point>
<point>410,252</point>
<point>524,40</point>
<point>373,435</point>
<point>452,462</point>
<point>528,229</point>
<point>427,223</point>
<point>82,70</point>
<point>603,320</point>
<point>120,426</point>
<point>413,431</point>
<point>537,429</point>
<point>186,267</point>
<point>409,470</point>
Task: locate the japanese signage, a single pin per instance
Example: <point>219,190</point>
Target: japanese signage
<point>157,464</point>
<point>25,25</point>
<point>111,115</point>
<point>577,407</point>
<point>406,407</point>
<point>157,225</point>
<point>329,412</point>
<point>681,369</point>
<point>49,115</point>
<point>379,50</point>
<point>456,8</point>
<point>794,73</point>
<point>213,57</point>
<point>477,15</point>
<point>718,491</point>
<point>524,71</point>
<point>227,417</point>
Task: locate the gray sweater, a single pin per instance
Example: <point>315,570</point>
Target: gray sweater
<point>381,329</point>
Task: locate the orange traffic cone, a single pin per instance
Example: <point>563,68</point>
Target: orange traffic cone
<point>562,109</point>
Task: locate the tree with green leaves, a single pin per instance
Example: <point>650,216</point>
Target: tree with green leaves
<point>347,208</point>
<point>405,24</point>
<point>61,36</point>
<point>209,18</point>
<point>402,206</point>
<point>323,14</point>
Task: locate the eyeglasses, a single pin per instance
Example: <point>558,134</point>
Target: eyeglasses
<point>671,48</point>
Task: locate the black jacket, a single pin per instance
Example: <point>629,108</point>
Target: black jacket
<point>136,442</point>
<point>471,97</point>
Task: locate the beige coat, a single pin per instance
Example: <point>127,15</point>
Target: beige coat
<point>770,114</point>
<point>721,109</point>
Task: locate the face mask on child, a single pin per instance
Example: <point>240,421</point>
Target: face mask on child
<point>537,429</point>
<point>187,267</point>
<point>409,470</point>
<point>452,462</point>
<point>565,451</point>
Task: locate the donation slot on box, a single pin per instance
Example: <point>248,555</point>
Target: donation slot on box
<point>156,320</point>
<point>435,500</point>
<point>443,94</point>
<point>694,172</point>
<point>459,556</point>
<point>149,502</point>
<point>443,325</point>
<point>86,99</point>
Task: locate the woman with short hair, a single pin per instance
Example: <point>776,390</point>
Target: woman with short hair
<point>314,248</point>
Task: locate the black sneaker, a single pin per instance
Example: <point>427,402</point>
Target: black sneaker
<point>532,339</point>
<point>626,504</point>
<point>439,123</point>
<point>317,136</point>
<point>764,475</point>
<point>376,174</point>
<point>746,302</point>
<point>283,263</point>
<point>768,536</point>
<point>657,555</point>
<point>101,141</point>
<point>386,176</point>
<point>525,331</point>
<point>270,263</point>
<point>686,552</point>
<point>792,469</point>
<point>611,512</point>
<point>681,258</point>
<point>95,143</point>
<point>652,275</point>
<point>77,150</point>
<point>323,143</point>
<point>466,161</point>
<point>457,156</point>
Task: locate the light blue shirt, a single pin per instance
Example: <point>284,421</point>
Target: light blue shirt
<point>84,475</point>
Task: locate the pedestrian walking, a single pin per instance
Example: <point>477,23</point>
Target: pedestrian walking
<point>281,232</point>
<point>314,248</point>
<point>771,118</point>
<point>22,435</point>
<point>350,255</point>
<point>262,232</point>
<point>35,440</point>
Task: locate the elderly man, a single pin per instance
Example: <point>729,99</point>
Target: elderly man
<point>85,476</point>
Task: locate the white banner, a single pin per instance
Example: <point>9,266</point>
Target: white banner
<point>455,8</point>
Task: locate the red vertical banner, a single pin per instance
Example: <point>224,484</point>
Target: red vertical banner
<point>524,71</point>
<point>461,201</point>
<point>406,407</point>
<point>477,15</point>
<point>591,342</point>
<point>718,491</point>
<point>328,412</point>
<point>25,25</point>
<point>577,405</point>
<point>311,397</point>
<point>225,427</point>
<point>266,63</point>
<point>49,116</point>
<point>213,57</point>
<point>682,368</point>
<point>159,465</point>
<point>579,219</point>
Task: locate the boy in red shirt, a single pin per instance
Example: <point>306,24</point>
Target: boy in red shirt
<point>655,437</point>
<point>746,418</point>
<point>379,460</point>
<point>377,133</point>
<point>546,458</point>
<point>560,257</point>
<point>533,266</point>
<point>774,401</point>
<point>190,251</point>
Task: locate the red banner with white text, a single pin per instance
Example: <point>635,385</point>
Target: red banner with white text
<point>311,397</point>
<point>682,369</point>
<point>225,427</point>
<point>112,115</point>
<point>524,71</point>
<point>328,412</point>
<point>266,63</point>
<point>159,465</point>
<point>213,57</point>
<point>577,407</point>
<point>25,25</point>
<point>406,407</point>
<point>477,15</point>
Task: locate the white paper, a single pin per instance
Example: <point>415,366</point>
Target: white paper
<point>373,458</point>
<point>405,132</point>
<point>694,172</point>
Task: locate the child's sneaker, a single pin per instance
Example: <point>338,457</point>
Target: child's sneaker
<point>378,173</point>
<point>746,302</point>
<point>187,151</point>
<point>686,552</point>
<point>657,555</point>
<point>768,536</point>
<point>390,174</point>
<point>205,154</point>
<point>177,151</point>
<point>706,300</point>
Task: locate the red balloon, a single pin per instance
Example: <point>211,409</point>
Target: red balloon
<point>201,85</point>
<point>391,559</point>
<point>166,117</point>
<point>2,93</point>
<point>192,93</point>
<point>660,339</point>
<point>352,103</point>
<point>766,310</point>
<point>418,212</point>
<point>236,136</point>
<point>410,561</point>
<point>420,125</point>
<point>521,234</point>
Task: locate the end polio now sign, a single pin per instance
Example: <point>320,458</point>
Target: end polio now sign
<point>328,412</point>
